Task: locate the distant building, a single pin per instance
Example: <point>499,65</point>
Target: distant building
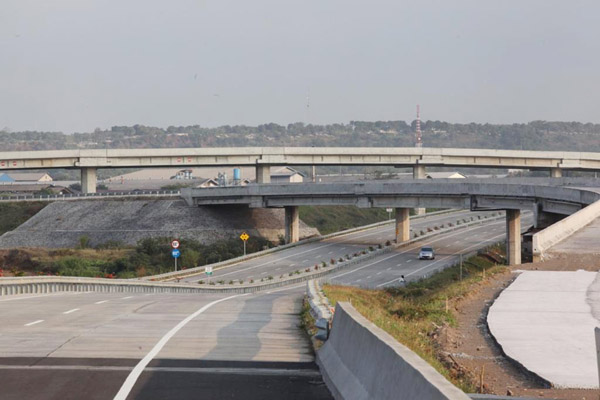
<point>25,177</point>
<point>33,189</point>
<point>205,183</point>
<point>286,175</point>
<point>444,175</point>
<point>184,174</point>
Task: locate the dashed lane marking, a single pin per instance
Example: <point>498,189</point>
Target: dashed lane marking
<point>35,322</point>
<point>71,311</point>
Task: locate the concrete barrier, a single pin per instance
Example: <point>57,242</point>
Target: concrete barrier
<point>361,361</point>
<point>562,229</point>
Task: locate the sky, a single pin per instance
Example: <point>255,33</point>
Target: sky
<point>74,66</point>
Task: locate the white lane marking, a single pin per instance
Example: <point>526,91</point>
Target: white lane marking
<point>269,262</point>
<point>125,298</point>
<point>331,252</point>
<point>442,259</point>
<point>35,322</point>
<point>34,297</point>
<point>304,261</point>
<point>379,273</point>
<point>358,280</point>
<point>369,277</point>
<point>100,302</point>
<point>409,260</point>
<point>291,265</point>
<point>388,268</point>
<point>277,269</point>
<point>139,368</point>
<point>71,311</point>
<point>264,273</point>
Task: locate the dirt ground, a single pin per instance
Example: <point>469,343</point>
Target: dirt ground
<point>470,350</point>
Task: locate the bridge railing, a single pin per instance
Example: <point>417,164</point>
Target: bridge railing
<point>86,196</point>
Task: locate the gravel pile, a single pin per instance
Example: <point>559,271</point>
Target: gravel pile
<point>62,224</point>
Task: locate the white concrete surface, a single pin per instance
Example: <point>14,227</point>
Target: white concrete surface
<point>544,321</point>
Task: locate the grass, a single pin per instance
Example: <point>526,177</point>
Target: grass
<point>414,314</point>
<point>14,214</point>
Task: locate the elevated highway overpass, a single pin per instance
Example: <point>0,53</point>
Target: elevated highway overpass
<point>549,203</point>
<point>88,161</point>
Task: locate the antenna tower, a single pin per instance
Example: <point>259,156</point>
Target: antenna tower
<point>419,137</point>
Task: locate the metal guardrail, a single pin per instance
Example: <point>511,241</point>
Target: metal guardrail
<point>91,196</point>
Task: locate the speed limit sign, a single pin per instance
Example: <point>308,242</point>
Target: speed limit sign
<point>175,244</point>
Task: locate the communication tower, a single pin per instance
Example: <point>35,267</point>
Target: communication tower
<point>418,133</point>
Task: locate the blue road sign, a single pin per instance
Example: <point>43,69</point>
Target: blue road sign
<point>175,253</point>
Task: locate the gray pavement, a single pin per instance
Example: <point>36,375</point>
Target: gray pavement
<point>544,321</point>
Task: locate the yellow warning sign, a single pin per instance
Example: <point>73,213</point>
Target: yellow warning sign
<point>244,236</point>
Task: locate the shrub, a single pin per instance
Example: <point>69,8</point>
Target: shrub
<point>340,259</point>
<point>323,264</point>
<point>231,282</point>
<point>388,243</point>
<point>241,281</point>
<point>307,270</point>
<point>270,277</point>
<point>371,248</point>
<point>251,280</point>
<point>84,242</point>
<point>380,246</point>
<point>201,282</point>
<point>332,261</point>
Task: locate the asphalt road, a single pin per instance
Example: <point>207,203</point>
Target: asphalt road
<point>74,346</point>
<point>175,346</point>
<point>308,255</point>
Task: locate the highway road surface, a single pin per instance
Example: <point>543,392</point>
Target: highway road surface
<point>104,346</point>
<point>177,346</point>
<point>308,255</point>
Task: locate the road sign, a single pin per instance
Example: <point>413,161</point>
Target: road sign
<point>208,270</point>
<point>389,210</point>
<point>175,244</point>
<point>244,236</point>
<point>175,253</point>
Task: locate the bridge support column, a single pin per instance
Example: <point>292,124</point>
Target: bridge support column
<point>402,225</point>
<point>419,173</point>
<point>292,224</point>
<point>88,180</point>
<point>263,173</point>
<point>513,236</point>
<point>556,173</point>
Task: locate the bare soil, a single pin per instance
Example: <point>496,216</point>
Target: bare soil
<point>469,348</point>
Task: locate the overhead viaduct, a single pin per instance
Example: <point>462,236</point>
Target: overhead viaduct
<point>549,203</point>
<point>262,158</point>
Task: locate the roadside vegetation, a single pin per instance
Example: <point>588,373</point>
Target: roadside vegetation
<point>14,214</point>
<point>416,314</point>
<point>115,260</point>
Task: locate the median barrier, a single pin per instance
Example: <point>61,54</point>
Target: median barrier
<point>362,361</point>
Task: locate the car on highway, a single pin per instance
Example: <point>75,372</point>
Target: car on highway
<point>426,253</point>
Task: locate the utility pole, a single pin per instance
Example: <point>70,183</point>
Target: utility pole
<point>418,133</point>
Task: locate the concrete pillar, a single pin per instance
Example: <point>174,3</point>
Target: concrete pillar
<point>402,225</point>
<point>556,173</point>
<point>292,225</point>
<point>88,180</point>
<point>419,173</point>
<point>513,236</point>
<point>263,173</point>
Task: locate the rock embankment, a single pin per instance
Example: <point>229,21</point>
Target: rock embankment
<point>62,224</point>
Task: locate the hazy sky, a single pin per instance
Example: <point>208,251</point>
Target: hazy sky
<point>74,65</point>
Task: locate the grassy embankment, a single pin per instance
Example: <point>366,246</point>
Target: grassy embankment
<point>415,314</point>
<point>14,214</point>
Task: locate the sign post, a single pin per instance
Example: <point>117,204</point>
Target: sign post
<point>208,271</point>
<point>175,253</point>
<point>389,211</point>
<point>244,236</point>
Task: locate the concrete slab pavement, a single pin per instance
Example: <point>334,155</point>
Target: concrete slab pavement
<point>544,321</point>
